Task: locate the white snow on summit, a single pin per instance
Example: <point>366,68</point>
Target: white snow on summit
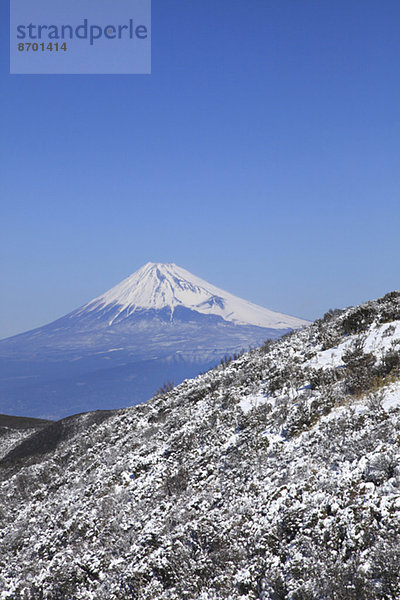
<point>160,285</point>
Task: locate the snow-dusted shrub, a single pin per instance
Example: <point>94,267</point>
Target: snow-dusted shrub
<point>390,307</point>
<point>290,374</point>
<point>360,368</point>
<point>358,319</point>
<point>164,389</point>
<point>390,363</point>
<point>324,378</point>
<point>380,468</point>
<point>331,314</point>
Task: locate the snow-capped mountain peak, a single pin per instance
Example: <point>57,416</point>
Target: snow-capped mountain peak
<point>160,324</point>
<point>157,286</point>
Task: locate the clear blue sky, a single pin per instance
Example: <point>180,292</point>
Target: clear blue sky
<point>262,154</point>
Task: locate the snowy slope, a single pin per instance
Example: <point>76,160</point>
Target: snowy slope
<point>157,286</point>
<point>273,476</point>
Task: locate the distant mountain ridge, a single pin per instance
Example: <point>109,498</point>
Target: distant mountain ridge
<point>161,323</point>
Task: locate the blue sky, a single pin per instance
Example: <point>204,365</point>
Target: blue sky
<point>262,154</point>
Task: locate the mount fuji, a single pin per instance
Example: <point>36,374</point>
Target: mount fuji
<point>161,323</point>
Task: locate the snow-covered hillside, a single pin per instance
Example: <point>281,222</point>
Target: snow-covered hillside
<point>273,476</point>
<point>160,324</point>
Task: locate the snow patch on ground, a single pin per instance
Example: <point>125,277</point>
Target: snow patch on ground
<point>247,403</point>
<point>378,341</point>
<point>391,396</point>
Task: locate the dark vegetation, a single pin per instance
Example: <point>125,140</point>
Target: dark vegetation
<point>48,437</point>
<point>164,389</point>
<point>22,422</point>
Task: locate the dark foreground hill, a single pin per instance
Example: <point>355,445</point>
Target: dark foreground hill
<point>14,429</point>
<point>274,477</point>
